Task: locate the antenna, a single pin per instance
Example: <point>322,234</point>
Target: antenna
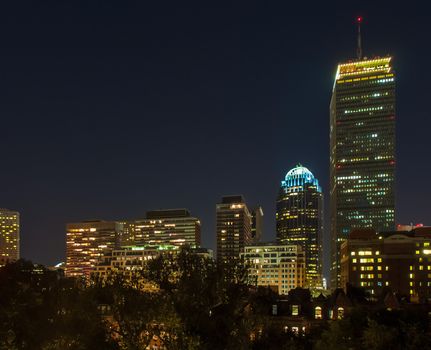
<point>359,49</point>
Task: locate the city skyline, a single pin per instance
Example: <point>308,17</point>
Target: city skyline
<point>60,181</point>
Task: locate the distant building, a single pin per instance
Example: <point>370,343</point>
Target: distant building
<point>281,267</point>
<point>398,260</point>
<point>163,227</point>
<point>362,151</point>
<point>9,236</point>
<point>86,242</point>
<point>256,224</point>
<point>233,227</point>
<point>299,219</point>
<point>130,261</point>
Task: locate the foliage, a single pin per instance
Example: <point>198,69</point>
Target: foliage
<point>182,301</point>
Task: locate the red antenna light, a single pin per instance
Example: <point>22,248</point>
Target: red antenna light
<point>359,19</point>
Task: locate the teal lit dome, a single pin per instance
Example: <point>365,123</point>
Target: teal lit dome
<point>298,177</point>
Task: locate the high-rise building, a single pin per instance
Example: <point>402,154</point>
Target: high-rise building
<point>362,151</point>
<point>299,219</point>
<point>256,224</point>
<point>397,260</point>
<point>233,228</point>
<point>279,266</point>
<point>86,242</point>
<point>9,236</point>
<point>163,227</point>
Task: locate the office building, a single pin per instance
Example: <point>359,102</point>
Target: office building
<point>133,258</point>
<point>362,151</point>
<point>396,260</point>
<point>163,227</point>
<point>9,236</point>
<point>299,219</point>
<point>279,266</point>
<point>256,224</point>
<point>233,228</point>
<point>86,242</point>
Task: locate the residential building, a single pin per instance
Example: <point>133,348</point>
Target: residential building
<point>233,227</point>
<point>163,227</point>
<point>279,266</point>
<point>86,242</point>
<point>397,260</point>
<point>9,236</point>
<point>299,219</point>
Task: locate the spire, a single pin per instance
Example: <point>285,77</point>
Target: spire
<point>359,49</point>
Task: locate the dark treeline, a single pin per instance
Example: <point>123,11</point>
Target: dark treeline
<point>179,301</point>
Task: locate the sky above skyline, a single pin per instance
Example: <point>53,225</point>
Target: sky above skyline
<point>111,110</point>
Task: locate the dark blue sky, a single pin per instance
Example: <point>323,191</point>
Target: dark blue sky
<point>108,110</point>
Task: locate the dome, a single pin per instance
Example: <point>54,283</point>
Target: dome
<point>299,170</point>
<point>299,176</point>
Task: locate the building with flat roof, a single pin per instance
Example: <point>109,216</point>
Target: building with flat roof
<point>233,228</point>
<point>9,236</point>
<point>163,227</point>
<point>362,151</point>
<point>279,266</point>
<point>86,242</point>
<point>398,260</point>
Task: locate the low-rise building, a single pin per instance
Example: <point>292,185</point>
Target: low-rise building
<point>281,267</point>
<point>399,260</point>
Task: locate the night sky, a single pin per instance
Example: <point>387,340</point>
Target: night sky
<point>112,109</point>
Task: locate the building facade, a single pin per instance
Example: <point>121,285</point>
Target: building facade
<point>256,224</point>
<point>362,151</point>
<point>397,260</point>
<point>9,236</point>
<point>279,266</point>
<point>299,219</point>
<point>133,258</point>
<point>163,227</point>
<point>86,242</point>
<point>233,228</point>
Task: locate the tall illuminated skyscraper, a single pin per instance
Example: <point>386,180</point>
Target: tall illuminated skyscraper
<point>300,219</point>
<point>362,151</point>
<point>233,229</point>
<point>9,236</point>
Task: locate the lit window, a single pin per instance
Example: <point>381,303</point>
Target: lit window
<point>318,313</point>
<point>340,313</point>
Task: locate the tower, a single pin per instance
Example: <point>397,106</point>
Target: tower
<point>233,229</point>
<point>362,150</point>
<point>9,236</point>
<point>300,219</point>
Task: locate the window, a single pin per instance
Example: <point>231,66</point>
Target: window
<point>340,313</point>
<point>295,310</point>
<point>318,313</point>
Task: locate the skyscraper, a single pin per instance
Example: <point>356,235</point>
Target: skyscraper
<point>233,228</point>
<point>300,219</point>
<point>362,151</point>
<point>9,236</point>
<point>86,242</point>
